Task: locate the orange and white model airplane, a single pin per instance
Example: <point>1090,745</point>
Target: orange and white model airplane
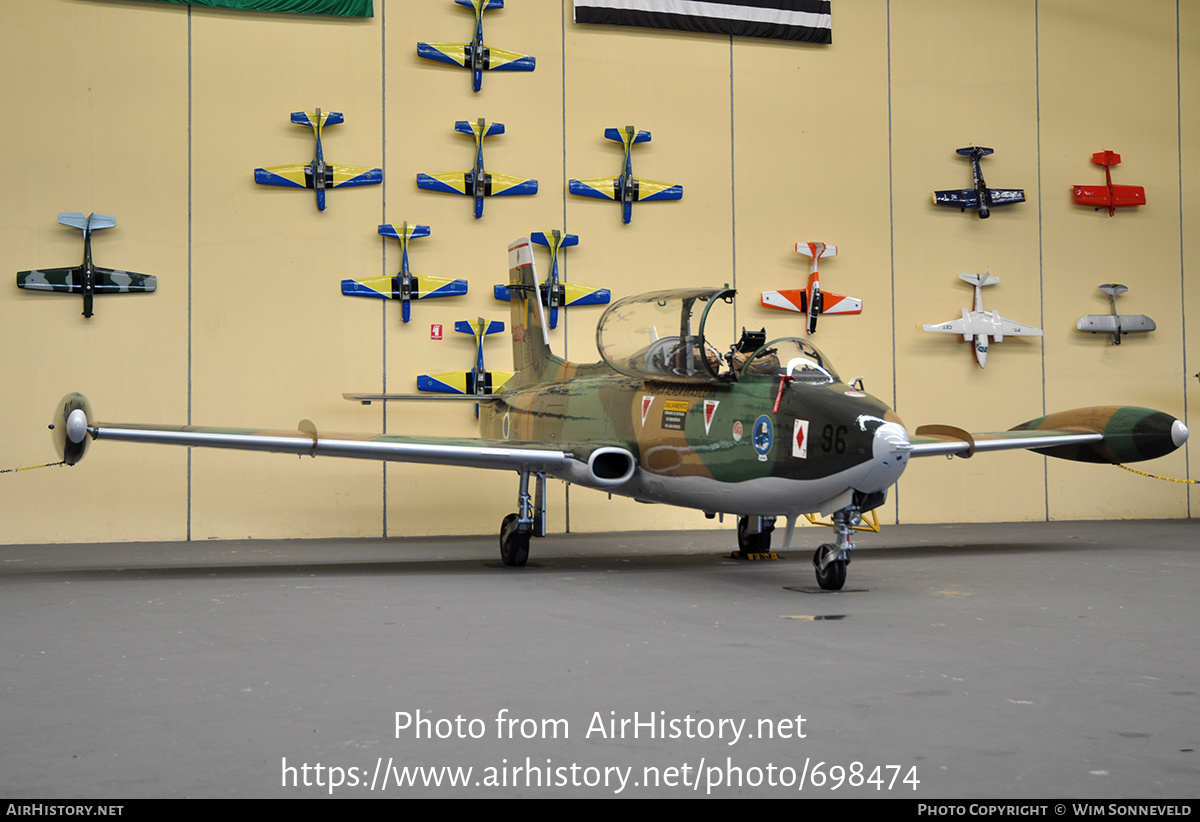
<point>812,301</point>
<point>1109,196</point>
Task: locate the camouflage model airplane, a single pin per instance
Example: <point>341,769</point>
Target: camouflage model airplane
<point>980,197</point>
<point>404,286</point>
<point>318,175</point>
<point>767,430</point>
<point>477,183</point>
<point>555,293</point>
<point>812,301</point>
<point>626,189</point>
<point>86,279</point>
<point>475,55</point>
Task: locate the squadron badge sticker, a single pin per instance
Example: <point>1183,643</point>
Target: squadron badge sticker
<point>710,411</point>
<point>763,437</point>
<point>647,401</point>
<point>737,431</point>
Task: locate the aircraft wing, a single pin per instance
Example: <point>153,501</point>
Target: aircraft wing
<point>505,60</point>
<point>1107,323</point>
<point>461,382</point>
<point>51,279</point>
<point>837,304</point>
<point>585,295</point>
<point>110,281</point>
<point>453,53</point>
<point>450,182</point>
<point>790,299</point>
<point>604,188</point>
<point>422,287</point>
<point>958,198</point>
<point>1092,195</point>
<point>1128,196</point>
<point>1108,434</point>
<point>504,184</point>
<point>295,176</point>
<point>1005,196</point>
<point>654,190</point>
<point>958,326</point>
<point>355,176</point>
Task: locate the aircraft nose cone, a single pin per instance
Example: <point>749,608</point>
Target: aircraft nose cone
<point>889,458</point>
<point>1179,433</point>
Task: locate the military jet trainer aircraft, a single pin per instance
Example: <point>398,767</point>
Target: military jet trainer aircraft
<point>86,279</point>
<point>404,286</point>
<point>626,189</point>
<point>555,293</point>
<point>477,183</point>
<point>980,197</point>
<point>767,430</point>
<point>978,326</point>
<point>812,301</point>
<point>318,175</point>
<point>475,55</point>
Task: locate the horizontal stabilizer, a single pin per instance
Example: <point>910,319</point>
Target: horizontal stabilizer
<point>971,151</point>
<point>564,240</point>
<point>309,118</point>
<point>618,135</point>
<point>1106,158</point>
<point>93,222</point>
<point>473,328</point>
<point>818,251</point>
<point>399,232</point>
<point>980,280</point>
<point>468,127</point>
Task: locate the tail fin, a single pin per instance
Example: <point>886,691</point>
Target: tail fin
<point>531,341</point>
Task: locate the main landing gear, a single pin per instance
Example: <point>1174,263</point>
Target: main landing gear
<point>754,535</point>
<point>530,521</point>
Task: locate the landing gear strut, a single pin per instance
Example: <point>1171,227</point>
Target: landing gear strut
<point>530,521</point>
<point>831,559</point>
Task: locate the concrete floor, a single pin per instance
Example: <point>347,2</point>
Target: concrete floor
<point>1027,660</point>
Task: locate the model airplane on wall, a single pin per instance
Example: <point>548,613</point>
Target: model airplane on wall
<point>1110,196</point>
<point>1114,323</point>
<point>404,286</point>
<point>318,175</point>
<point>86,278</point>
<point>555,293</point>
<point>980,197</point>
<point>812,301</point>
<point>478,382</point>
<point>475,55</point>
<point>626,189</point>
<point>477,183</point>
<point>978,325</point>
<point>666,419</point>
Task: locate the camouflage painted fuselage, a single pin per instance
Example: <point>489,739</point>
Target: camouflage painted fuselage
<point>721,447</point>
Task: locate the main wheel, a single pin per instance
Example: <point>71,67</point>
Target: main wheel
<point>834,575</point>
<point>514,545</point>
<point>748,543</point>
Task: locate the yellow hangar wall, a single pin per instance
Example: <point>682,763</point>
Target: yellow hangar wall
<point>158,114</point>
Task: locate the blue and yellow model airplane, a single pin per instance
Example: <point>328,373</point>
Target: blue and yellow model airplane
<point>404,286</point>
<point>477,382</point>
<point>477,183</point>
<point>86,279</point>
<point>318,175</point>
<point>475,55</point>
<point>556,294</point>
<point>626,189</point>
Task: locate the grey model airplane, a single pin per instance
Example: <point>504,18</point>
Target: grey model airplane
<point>1114,323</point>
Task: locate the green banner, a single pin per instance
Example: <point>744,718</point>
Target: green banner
<point>340,8</point>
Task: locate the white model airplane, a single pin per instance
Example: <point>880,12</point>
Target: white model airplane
<point>1114,323</point>
<point>978,325</point>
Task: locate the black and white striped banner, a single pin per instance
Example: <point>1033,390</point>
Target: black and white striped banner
<point>803,20</point>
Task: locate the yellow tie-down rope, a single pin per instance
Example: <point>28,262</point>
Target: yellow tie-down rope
<point>31,467</point>
<point>1156,476</point>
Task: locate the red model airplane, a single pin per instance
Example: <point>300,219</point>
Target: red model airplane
<point>812,301</point>
<point>1110,196</point>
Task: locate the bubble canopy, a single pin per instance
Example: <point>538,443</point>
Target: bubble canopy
<point>673,336</point>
